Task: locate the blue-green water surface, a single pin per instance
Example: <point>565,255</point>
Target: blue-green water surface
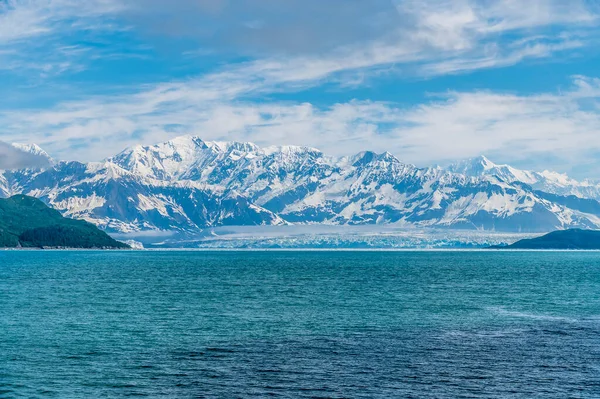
<point>299,324</point>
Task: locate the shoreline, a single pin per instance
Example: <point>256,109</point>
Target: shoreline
<point>485,250</point>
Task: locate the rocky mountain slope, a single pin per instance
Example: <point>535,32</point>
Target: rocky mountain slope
<point>187,184</point>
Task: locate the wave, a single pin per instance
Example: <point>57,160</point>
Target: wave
<point>534,316</point>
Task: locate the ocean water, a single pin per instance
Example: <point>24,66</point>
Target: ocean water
<point>299,324</point>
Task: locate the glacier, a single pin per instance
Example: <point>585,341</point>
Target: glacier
<point>325,237</point>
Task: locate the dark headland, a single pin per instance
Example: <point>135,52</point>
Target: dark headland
<point>26,222</point>
<point>562,239</point>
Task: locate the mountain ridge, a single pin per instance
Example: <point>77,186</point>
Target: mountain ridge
<point>548,181</point>
<point>188,184</point>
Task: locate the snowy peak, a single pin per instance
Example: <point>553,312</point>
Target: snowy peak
<point>166,160</point>
<point>478,166</point>
<point>484,162</point>
<point>483,167</point>
<point>193,145</point>
<point>190,157</point>
<point>551,182</point>
<point>291,150</point>
<point>365,158</point>
<point>33,149</point>
<point>231,146</point>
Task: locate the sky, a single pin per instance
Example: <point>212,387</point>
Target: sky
<point>431,81</point>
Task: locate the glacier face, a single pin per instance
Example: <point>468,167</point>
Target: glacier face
<point>187,185</point>
<point>330,237</point>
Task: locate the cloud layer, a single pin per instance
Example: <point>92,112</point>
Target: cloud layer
<point>452,125</point>
<point>265,48</point>
<point>424,38</point>
<point>14,158</point>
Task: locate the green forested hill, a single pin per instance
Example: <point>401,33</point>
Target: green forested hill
<point>562,239</point>
<point>28,222</point>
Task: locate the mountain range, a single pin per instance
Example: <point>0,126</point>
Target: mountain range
<point>187,185</point>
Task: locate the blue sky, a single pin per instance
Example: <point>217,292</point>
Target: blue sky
<point>430,81</point>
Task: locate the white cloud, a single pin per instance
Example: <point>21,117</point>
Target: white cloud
<point>508,127</point>
<point>444,37</point>
<point>435,37</point>
<point>36,35</point>
<point>12,157</point>
<point>430,38</point>
<point>21,19</point>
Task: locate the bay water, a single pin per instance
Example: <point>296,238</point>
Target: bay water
<point>331,324</point>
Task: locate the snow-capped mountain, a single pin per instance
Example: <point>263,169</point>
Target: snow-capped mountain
<point>547,181</point>
<point>187,184</point>
<point>33,149</point>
